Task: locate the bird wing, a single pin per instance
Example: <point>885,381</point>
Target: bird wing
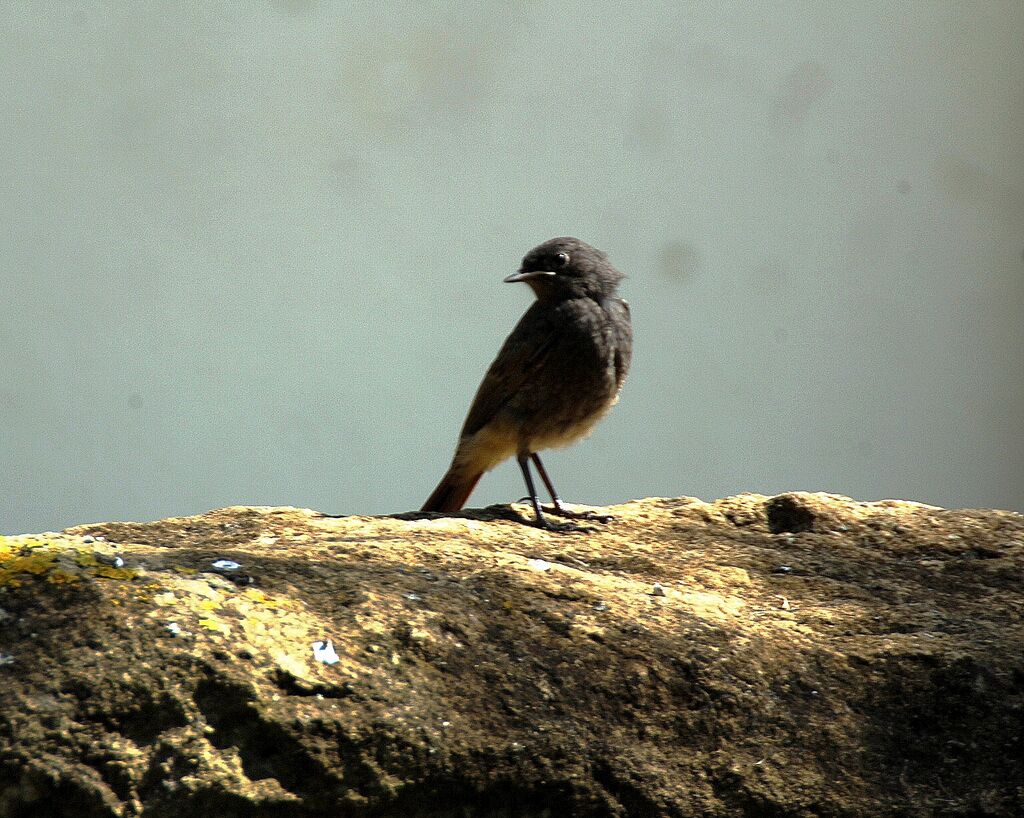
<point>523,354</point>
<point>623,345</point>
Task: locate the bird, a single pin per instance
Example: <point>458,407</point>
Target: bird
<point>558,373</point>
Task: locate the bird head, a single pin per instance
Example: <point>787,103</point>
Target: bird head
<point>567,267</point>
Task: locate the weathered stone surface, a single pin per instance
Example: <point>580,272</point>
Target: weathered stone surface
<point>804,655</point>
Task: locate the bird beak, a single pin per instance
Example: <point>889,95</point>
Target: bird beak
<point>532,275</point>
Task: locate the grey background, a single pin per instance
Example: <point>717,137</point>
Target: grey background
<point>251,253</point>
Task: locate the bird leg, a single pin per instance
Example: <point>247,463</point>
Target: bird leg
<point>541,521</point>
<point>556,502</point>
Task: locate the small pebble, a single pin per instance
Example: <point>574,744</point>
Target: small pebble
<point>658,589</point>
<point>539,565</point>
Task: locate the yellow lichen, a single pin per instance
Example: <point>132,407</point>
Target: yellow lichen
<point>214,625</point>
<point>33,543</point>
<point>110,572</point>
<point>86,560</point>
<point>37,563</point>
<point>60,577</point>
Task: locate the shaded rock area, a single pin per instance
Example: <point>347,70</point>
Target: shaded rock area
<point>802,655</point>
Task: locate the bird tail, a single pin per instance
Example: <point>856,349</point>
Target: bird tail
<point>453,490</point>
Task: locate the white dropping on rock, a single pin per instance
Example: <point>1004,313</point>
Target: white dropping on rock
<point>324,652</point>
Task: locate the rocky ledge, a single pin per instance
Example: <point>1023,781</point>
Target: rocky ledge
<point>801,655</point>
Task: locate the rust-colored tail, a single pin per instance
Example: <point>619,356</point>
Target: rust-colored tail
<point>453,491</point>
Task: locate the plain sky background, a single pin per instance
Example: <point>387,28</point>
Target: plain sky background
<point>251,253</point>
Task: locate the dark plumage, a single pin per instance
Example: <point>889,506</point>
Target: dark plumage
<point>555,377</point>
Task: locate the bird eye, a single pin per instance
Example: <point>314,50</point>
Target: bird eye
<point>562,259</point>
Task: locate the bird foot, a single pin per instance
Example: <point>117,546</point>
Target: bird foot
<point>562,528</point>
<point>562,511</point>
<point>542,522</point>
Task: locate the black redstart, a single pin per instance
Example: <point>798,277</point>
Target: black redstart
<point>555,377</point>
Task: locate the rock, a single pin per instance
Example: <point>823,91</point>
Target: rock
<point>891,682</point>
